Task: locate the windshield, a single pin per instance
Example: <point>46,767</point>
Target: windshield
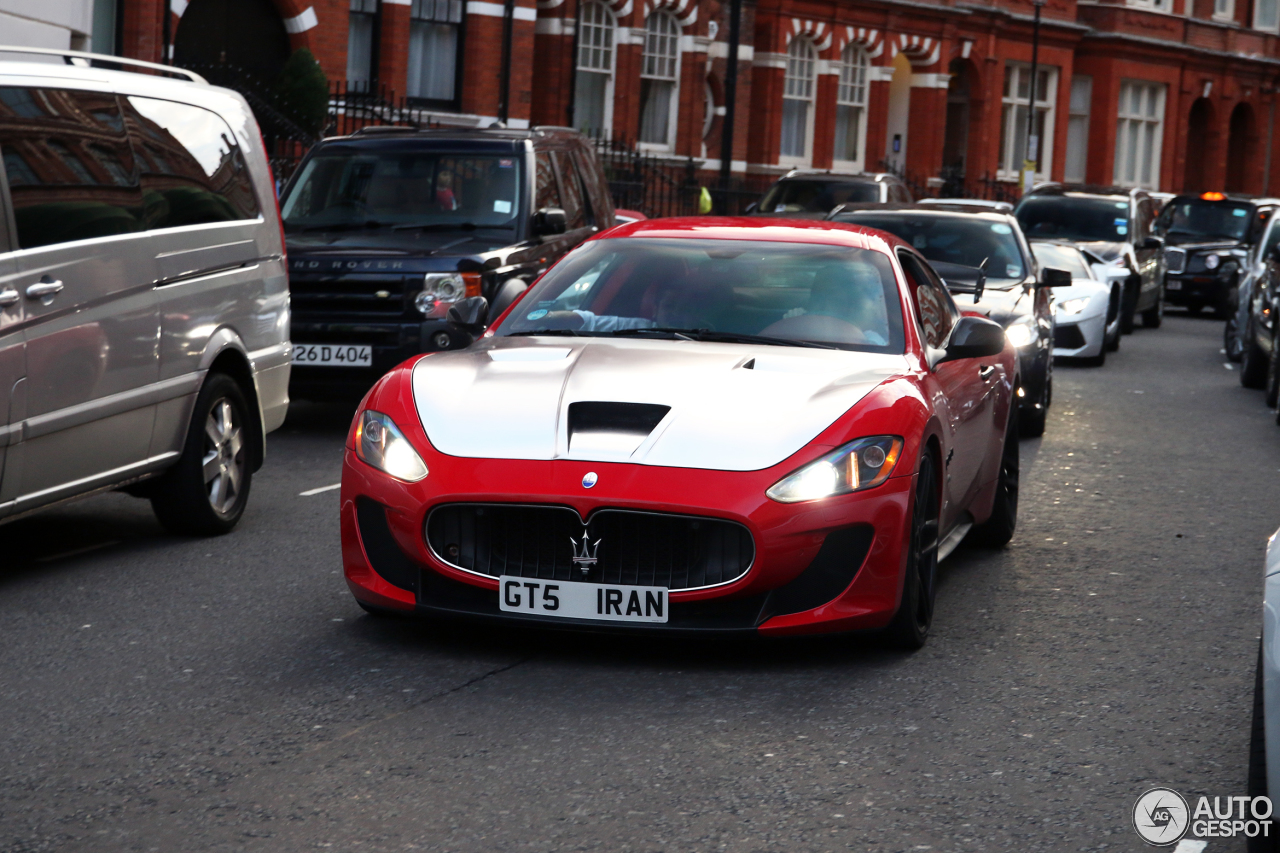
<point>753,292</point>
<point>954,239</point>
<point>1208,219</point>
<point>1076,219</point>
<point>1061,258</point>
<point>816,196</point>
<point>345,189</point>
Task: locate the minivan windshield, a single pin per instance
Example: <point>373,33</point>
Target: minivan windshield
<point>808,196</point>
<point>954,239</point>
<point>736,291</point>
<point>1196,217</point>
<point>347,188</point>
<point>1076,218</point>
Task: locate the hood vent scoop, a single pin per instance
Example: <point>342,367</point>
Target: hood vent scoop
<point>615,429</point>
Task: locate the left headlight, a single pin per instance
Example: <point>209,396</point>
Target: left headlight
<point>1073,306</point>
<point>1022,332</point>
<point>380,443</point>
<point>858,465</point>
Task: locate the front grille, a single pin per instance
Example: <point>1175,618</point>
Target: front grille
<point>1175,259</point>
<point>1068,337</point>
<point>636,548</point>
<point>350,299</point>
<point>380,335</point>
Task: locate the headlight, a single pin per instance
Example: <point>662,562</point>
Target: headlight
<point>1070,306</point>
<point>380,443</point>
<point>1022,332</point>
<point>442,289</point>
<point>1211,262</point>
<point>861,464</point>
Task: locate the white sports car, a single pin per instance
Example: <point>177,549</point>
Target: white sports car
<point>1086,314</point>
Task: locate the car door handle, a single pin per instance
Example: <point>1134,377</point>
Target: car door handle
<point>8,297</point>
<point>41,289</point>
<point>986,372</point>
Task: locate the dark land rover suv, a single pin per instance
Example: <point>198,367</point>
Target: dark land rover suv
<point>389,227</point>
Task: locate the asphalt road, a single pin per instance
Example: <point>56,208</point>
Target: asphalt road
<point>166,694</point>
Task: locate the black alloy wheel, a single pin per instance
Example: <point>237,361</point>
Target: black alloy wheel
<point>1154,316</point>
<point>1253,364</point>
<point>1111,339</point>
<point>1231,341</point>
<point>1032,418</point>
<point>909,629</point>
<point>206,490</point>
<point>1226,305</point>
<point>997,530</point>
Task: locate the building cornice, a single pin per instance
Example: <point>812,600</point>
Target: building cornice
<point>1164,44</point>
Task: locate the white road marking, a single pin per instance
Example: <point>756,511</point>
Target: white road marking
<point>1187,845</point>
<point>309,492</point>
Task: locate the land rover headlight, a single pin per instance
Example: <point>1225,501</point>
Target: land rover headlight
<point>442,289</point>
<point>858,465</point>
<point>380,443</point>
<point>1021,333</point>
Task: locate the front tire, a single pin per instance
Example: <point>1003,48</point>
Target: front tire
<point>1154,316</point>
<point>1253,365</point>
<point>1031,418</point>
<point>909,629</point>
<point>1128,309</point>
<point>205,492</point>
<point>997,530</point>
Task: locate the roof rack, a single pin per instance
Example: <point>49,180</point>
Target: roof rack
<point>87,60</point>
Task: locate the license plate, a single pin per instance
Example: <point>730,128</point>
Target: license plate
<point>1173,285</point>
<point>574,600</point>
<point>333,355</point>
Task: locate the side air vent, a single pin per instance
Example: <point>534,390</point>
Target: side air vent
<point>614,428</point>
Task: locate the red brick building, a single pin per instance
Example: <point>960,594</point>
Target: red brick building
<point>1168,94</point>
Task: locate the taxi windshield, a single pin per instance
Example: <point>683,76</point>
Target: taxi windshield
<point>1203,218</point>
<point>719,290</point>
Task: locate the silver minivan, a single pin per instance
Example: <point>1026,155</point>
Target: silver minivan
<point>144,301</point>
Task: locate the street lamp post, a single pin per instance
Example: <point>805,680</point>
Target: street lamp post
<point>1033,141</point>
<point>730,102</point>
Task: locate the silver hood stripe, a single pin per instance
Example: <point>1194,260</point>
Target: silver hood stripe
<point>508,398</point>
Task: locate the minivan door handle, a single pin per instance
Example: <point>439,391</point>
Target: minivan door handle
<point>8,297</point>
<point>43,289</point>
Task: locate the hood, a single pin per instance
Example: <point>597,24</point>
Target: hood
<point>682,404</point>
<point>1105,250</point>
<point>1196,243</point>
<point>407,243</point>
<point>1003,306</point>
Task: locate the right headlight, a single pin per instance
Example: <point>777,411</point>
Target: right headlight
<point>1211,262</point>
<point>380,443</point>
<point>1021,333</point>
<point>858,465</point>
<point>1073,306</point>
<point>442,289</point>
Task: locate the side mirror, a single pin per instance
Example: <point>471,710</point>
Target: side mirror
<point>1055,278</point>
<point>506,295</point>
<point>1152,243</point>
<point>469,315</point>
<point>751,208</point>
<point>549,221</point>
<point>975,337</point>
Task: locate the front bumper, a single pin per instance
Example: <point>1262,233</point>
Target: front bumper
<point>390,344</point>
<point>1199,288</point>
<point>1076,336</point>
<point>826,566</point>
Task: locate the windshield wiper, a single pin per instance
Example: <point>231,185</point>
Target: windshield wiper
<point>718,337</point>
<point>448,226</point>
<point>339,226</point>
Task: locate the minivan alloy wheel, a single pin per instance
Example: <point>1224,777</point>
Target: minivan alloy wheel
<point>224,456</point>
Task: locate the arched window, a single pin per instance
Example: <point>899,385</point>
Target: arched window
<point>593,84</point>
<point>659,76</point>
<point>851,107</point>
<point>797,100</point>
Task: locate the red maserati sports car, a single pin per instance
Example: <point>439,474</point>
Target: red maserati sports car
<point>693,425</point>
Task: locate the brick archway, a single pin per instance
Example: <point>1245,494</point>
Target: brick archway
<point>1242,147</point>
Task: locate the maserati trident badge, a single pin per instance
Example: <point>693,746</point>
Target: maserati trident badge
<point>589,479</point>
<point>585,557</point>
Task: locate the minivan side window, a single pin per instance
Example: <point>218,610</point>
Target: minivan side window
<point>69,164</point>
<point>193,172</point>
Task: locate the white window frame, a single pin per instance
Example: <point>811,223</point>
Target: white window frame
<point>800,83</point>
<point>604,27</point>
<point>1157,5</point>
<point>448,13</point>
<point>656,64</point>
<point>1271,26</point>
<point>1047,104</point>
<point>851,91</point>
<point>1078,112</point>
<point>1224,10</point>
<point>1129,121</point>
